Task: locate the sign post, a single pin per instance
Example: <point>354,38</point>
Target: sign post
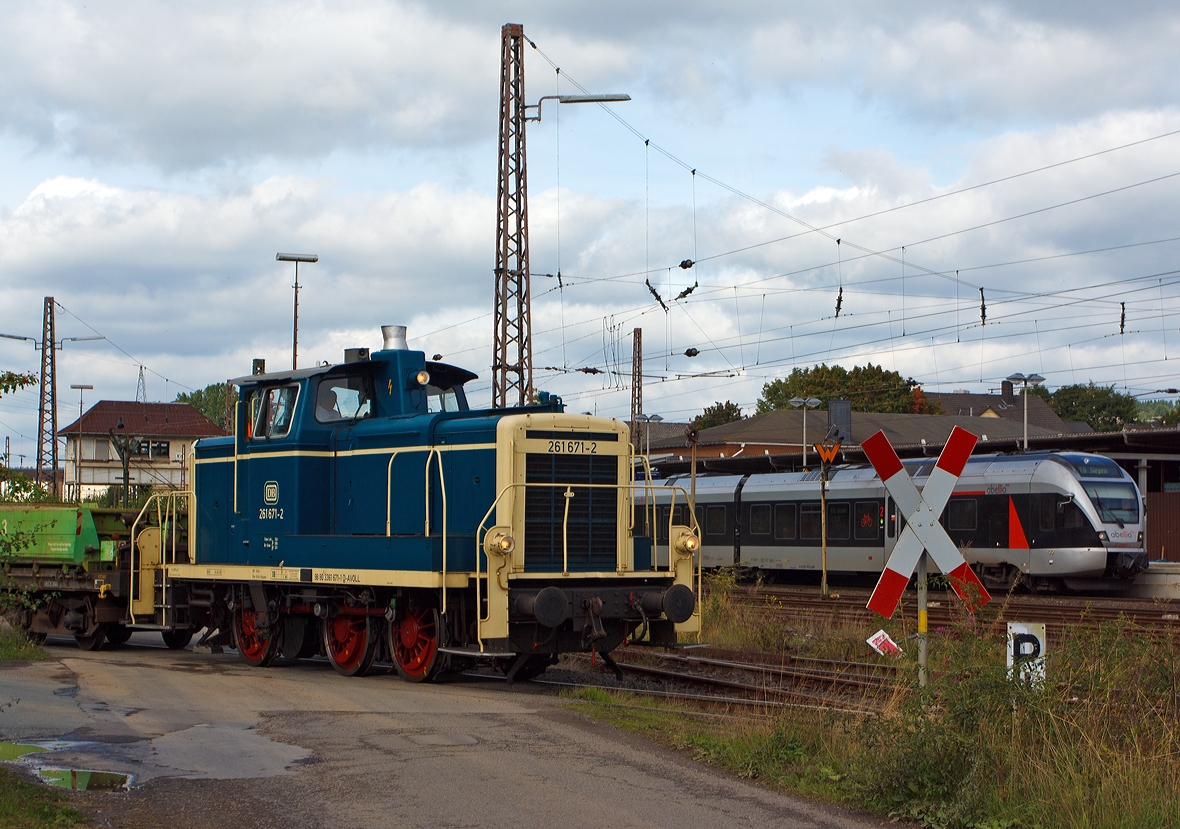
<point>923,622</point>
<point>923,534</point>
<point>827,454</point>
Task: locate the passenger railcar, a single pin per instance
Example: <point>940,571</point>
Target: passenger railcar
<point>364,509</point>
<point>1045,518</point>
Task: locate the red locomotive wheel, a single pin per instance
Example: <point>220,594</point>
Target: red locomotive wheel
<point>413,643</point>
<point>256,649</point>
<point>351,643</point>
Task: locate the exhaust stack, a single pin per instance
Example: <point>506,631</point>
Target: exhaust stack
<point>395,338</point>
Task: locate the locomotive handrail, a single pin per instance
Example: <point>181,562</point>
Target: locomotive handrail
<point>166,509</point>
<point>442,482</point>
<point>431,453</point>
<point>481,532</point>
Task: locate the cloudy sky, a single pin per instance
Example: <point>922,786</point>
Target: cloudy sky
<point>155,156</point>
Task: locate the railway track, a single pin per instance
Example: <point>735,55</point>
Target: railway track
<point>945,609</point>
<point>730,678</point>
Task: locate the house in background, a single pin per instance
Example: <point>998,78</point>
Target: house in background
<point>160,437</point>
<point>1007,405</point>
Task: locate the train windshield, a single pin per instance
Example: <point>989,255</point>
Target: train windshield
<point>1117,503</point>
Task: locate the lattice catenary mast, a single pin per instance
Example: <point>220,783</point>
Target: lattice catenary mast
<point>47,413</point>
<point>512,351</point>
<point>637,389</point>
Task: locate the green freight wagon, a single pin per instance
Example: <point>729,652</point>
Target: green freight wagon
<point>67,569</point>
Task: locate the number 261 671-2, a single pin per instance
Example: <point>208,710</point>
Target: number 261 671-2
<point>573,447</point>
<point>270,512</point>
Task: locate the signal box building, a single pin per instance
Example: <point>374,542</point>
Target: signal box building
<point>158,437</point>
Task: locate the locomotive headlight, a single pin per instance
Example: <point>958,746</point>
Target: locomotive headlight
<point>687,543</point>
<point>1102,535</point>
<point>422,378</point>
<point>498,542</point>
<point>1140,539</point>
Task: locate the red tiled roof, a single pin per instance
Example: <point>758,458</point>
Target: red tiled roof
<point>147,420</point>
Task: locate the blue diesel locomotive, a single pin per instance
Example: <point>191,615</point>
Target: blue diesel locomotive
<point>363,510</point>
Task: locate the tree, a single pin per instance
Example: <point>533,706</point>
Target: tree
<point>15,486</point>
<point>1105,409</point>
<point>1156,410</point>
<point>870,388</point>
<point>10,381</point>
<point>717,415</point>
<point>209,401</point>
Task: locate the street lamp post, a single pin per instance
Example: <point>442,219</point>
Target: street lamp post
<point>648,421</point>
<point>296,258</point>
<point>81,387</point>
<point>1036,380</point>
<point>809,403</point>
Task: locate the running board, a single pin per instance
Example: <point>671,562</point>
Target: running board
<point>471,652</point>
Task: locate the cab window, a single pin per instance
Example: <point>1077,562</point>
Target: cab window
<point>343,398</point>
<point>441,400</point>
<point>276,412</point>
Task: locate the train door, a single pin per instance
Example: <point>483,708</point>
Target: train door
<point>342,494</point>
<point>341,402</point>
<point>268,476</point>
<point>892,521</point>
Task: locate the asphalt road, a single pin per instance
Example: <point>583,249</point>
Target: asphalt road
<point>216,744</point>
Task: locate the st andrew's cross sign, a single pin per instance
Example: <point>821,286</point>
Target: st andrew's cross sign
<point>922,530</point>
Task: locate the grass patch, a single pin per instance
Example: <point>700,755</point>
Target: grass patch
<point>1097,746</point>
<point>15,645</point>
<point>25,805</point>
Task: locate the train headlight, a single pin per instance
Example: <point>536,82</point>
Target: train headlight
<point>419,380</point>
<point>1102,535</point>
<point>1140,539</point>
<point>687,543</point>
<point>498,542</point>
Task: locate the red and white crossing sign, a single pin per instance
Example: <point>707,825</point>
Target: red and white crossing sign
<point>922,530</point>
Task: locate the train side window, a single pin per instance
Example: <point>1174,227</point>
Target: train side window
<point>343,398</point>
<point>1069,517</point>
<point>760,519</point>
<point>680,515</point>
<point>839,520</point>
<point>1048,512</point>
<point>662,523</point>
<point>784,521</point>
<point>441,400</point>
<point>867,517</point>
<point>809,521</point>
<point>962,514</point>
<point>275,411</point>
<point>280,408</point>
<point>715,519</point>
<point>253,413</point>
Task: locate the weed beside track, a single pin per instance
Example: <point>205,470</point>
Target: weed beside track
<point>1096,745</point>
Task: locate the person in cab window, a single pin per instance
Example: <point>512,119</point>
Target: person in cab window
<point>327,407</point>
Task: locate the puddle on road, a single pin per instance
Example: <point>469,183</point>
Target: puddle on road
<point>65,778</point>
<point>85,780</point>
<point>14,751</point>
